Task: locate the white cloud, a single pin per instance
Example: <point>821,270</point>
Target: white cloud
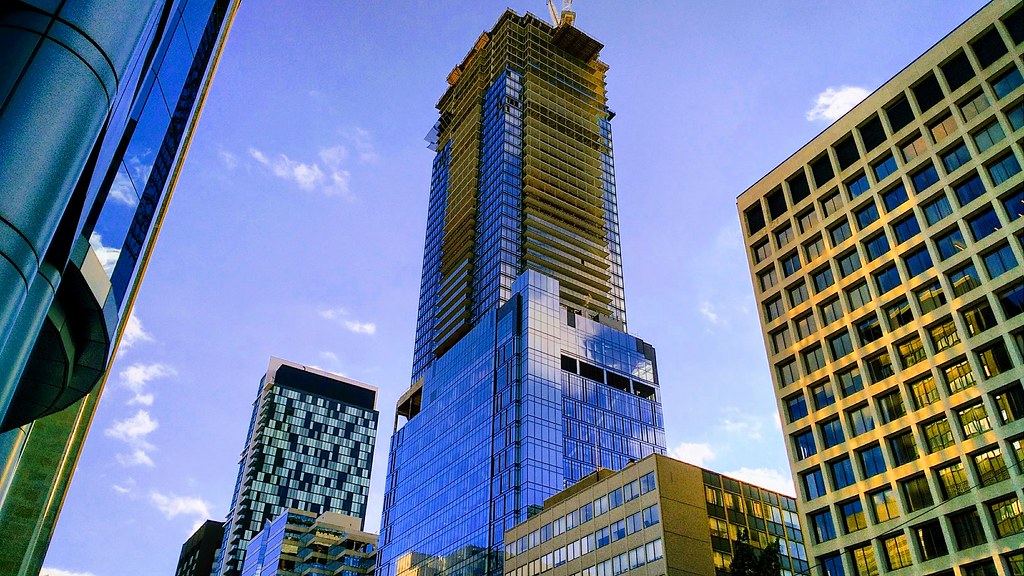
<point>134,332</point>
<point>361,327</point>
<point>328,355</point>
<point>126,487</point>
<point>766,478</point>
<point>108,256</point>
<point>831,104</point>
<point>332,180</point>
<point>228,158</point>
<point>47,571</point>
<point>694,453</point>
<point>173,506</point>
<point>354,326</point>
<point>707,310</point>
<point>137,376</point>
<point>361,139</point>
<point>133,432</point>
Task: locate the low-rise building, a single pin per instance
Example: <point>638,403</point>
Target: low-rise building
<point>302,543</point>
<point>658,516</point>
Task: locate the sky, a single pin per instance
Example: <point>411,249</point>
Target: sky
<point>296,230</point>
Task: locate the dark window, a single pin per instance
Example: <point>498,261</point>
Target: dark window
<point>938,435</point>
<point>814,359</point>
<point>755,219</point>
<point>969,189</point>
<point>798,189</point>
<point>840,345</point>
<point>872,463</point>
<point>956,157</point>
<point>930,540</point>
<point>823,395</point>
<point>1015,116</point>
<point>846,151</point>
<point>858,295</point>
<point>916,493</point>
<point>988,48</point>
<point>814,484</point>
<point>899,313</point>
<point>903,449</point>
<point>887,279</point>
<point>1003,169</point>
<point>867,215</point>
<point>861,420</point>
<point>927,92</point>
<point>899,114</point>
<point>988,136</point>
<point>1012,300</point>
<point>950,244</point>
<point>849,263</point>
<point>869,329</point>
<point>905,229</point>
<point>930,297</point>
<point>957,71</point>
<point>831,311</point>
<point>884,167</point>
<point>983,223</point>
<point>872,134</point>
<point>937,209</point>
<point>790,264</point>
<point>840,232</point>
<point>979,318</point>
<point>925,177</point>
<point>1011,404</point>
<point>1015,26</point>
<point>917,261</point>
<point>923,392</point>
<point>824,529</point>
<point>822,171</point>
<point>890,406</point>
<point>803,445</point>
<point>781,339</point>
<point>776,203</point>
<point>994,359</point>
<point>879,366</point>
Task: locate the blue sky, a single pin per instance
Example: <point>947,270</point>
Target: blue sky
<point>297,227</point>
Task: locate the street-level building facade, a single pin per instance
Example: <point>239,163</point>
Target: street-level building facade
<point>309,447</point>
<point>656,517</point>
<point>300,543</point>
<point>886,261</point>
<point>524,379</point>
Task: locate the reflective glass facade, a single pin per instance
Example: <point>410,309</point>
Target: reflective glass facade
<point>299,542</point>
<point>88,82</point>
<point>310,447</point>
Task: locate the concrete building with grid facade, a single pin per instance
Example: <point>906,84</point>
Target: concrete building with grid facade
<point>657,516</point>
<point>886,257</point>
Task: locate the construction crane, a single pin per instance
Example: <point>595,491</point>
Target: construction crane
<point>565,17</point>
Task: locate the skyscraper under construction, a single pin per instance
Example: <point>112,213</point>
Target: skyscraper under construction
<point>524,379</point>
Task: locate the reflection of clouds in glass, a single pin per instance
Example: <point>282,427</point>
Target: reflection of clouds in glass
<point>108,256</point>
<point>123,189</point>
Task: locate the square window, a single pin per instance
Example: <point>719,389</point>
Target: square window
<point>860,420</point>
<point>1007,516</point>
<point>957,70</point>
<point>924,178</point>
<point>1010,403</point>
<point>831,203</point>
<point>869,329</point>
<point>850,382</point>
<point>950,244</point>
<point>988,136</point>
<point>1014,204</point>
<point>905,229</point>
<point>787,372</point>
<point>781,339</point>
<point>832,433</point>
<point>790,264</point>
<point>852,513</point>
<point>943,127</point>
<point>979,318</point>
<point>1012,300</point>
<point>994,359</point>
<point>884,504</point>
<point>840,345</point>
<point>823,278</point>
<point>803,445</point>
<point>866,215</point>
<point>991,467</point>
<point>784,235</point>
<point>796,406</point>
<point>938,435</point>
<point>884,167</point>
<point>958,376</point>
<point>930,297</point>
<point>814,484</point>
<point>931,542</point>
<point>773,309</point>
<point>899,313</point>
<point>911,351</point>
<point>798,294</point>
<point>808,220</point>
<point>824,529</point>
<point>876,246</point>
<point>999,261</point>
<point>814,248</point>
<point>840,232</point>
<point>983,223</point>
<point>917,495</point>
<point>956,157</point>
<point>1003,169</point>
<point>857,185</point>
<point>1015,116</point>
<point>761,251</point>
<point>917,261</point>
<point>872,463</point>
<point>887,278</point>
<point>953,480</point>
<point>988,47</point>
<point>923,392</point>
<point>768,279</point>
<point>849,263</point>
<point>831,311</point>
<point>814,359</point>
<point>1007,82</point>
<point>937,209</point>
<point>890,406</point>
<point>863,560</point>
<point>858,295</point>
<point>964,279</point>
<point>974,105</point>
<point>805,326</point>
<point>967,530</point>
<point>879,366</point>
<point>842,473</point>
<point>970,189</point>
<point>897,551</point>
<point>973,420</point>
<point>894,197</point>
<point>823,395</point>
<point>913,147</point>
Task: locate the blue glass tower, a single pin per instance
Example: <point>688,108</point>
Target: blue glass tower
<point>524,379</point>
